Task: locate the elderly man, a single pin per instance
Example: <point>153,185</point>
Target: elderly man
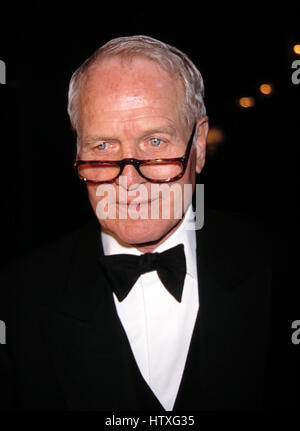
<point>137,310</point>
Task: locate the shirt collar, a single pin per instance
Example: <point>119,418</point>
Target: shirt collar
<point>185,234</point>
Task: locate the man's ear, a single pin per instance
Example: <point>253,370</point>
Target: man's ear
<point>202,130</point>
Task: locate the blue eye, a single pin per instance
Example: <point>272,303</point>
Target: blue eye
<point>102,146</point>
<point>155,142</point>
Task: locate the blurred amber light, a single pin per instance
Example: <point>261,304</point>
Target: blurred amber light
<point>266,89</point>
<point>215,137</point>
<point>296,49</point>
<point>246,102</point>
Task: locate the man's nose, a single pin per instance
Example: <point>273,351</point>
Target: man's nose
<point>132,176</point>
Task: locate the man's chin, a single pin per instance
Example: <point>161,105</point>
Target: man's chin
<point>140,233</point>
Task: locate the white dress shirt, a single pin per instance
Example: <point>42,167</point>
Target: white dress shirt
<point>158,327</point>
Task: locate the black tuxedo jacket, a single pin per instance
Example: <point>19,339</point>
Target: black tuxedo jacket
<point>66,348</point>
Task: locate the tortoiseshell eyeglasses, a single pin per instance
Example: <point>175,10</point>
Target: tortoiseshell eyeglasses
<point>152,170</point>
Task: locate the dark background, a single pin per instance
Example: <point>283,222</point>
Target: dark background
<point>254,171</point>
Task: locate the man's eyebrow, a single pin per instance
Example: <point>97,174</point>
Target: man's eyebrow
<point>167,130</point>
<point>91,139</point>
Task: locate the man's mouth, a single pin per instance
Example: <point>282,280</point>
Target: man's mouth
<point>133,201</point>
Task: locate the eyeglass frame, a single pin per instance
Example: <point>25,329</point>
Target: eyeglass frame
<point>137,163</point>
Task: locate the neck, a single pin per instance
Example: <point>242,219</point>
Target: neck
<point>149,247</point>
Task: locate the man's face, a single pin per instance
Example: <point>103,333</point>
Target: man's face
<point>130,109</point>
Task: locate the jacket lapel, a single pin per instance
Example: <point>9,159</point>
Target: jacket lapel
<point>225,364</point>
<point>89,347</point>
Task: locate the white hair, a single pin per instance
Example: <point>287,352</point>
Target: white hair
<point>168,57</point>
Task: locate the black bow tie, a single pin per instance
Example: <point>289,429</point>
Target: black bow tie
<point>123,270</point>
